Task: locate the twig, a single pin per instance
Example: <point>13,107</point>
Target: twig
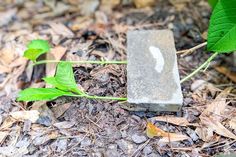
<point>200,67</point>
<point>94,122</point>
<point>74,145</point>
<point>140,148</point>
<point>188,51</point>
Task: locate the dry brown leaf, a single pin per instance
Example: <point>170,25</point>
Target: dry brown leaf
<point>172,137</point>
<point>37,105</point>
<point>227,72</point>
<point>55,54</point>
<point>61,29</point>
<point>3,136</point>
<point>144,3</point>
<point>153,131</point>
<point>8,122</point>
<point>88,7</point>
<point>60,109</point>
<point>181,121</point>
<point>31,115</point>
<point>232,123</point>
<point>217,107</point>
<point>4,69</point>
<point>217,127</point>
<point>108,5</point>
<point>204,133</point>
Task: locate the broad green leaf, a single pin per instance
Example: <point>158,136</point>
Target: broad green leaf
<point>36,48</point>
<point>32,54</point>
<point>65,77</point>
<point>212,3</point>
<point>34,94</point>
<point>39,44</point>
<point>222,29</point>
<point>53,82</point>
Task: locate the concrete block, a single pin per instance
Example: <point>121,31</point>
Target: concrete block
<point>152,72</point>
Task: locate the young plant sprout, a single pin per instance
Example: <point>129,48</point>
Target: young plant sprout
<point>63,82</point>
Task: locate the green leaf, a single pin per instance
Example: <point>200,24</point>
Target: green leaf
<point>32,54</point>
<point>39,44</point>
<point>65,77</point>
<point>34,94</point>
<point>222,29</point>
<point>212,3</point>
<point>53,82</point>
<point>36,48</point>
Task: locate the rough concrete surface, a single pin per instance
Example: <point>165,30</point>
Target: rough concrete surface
<point>153,77</point>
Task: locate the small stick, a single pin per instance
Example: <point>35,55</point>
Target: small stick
<point>94,122</point>
<point>140,148</point>
<point>189,51</point>
<point>74,145</point>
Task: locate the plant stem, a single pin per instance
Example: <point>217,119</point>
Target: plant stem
<point>200,67</point>
<point>80,62</point>
<point>105,98</point>
<point>98,97</point>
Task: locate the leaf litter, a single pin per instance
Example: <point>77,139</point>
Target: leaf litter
<point>73,126</point>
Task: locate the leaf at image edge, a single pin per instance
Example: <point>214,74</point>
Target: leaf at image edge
<point>35,94</point>
<point>222,28</point>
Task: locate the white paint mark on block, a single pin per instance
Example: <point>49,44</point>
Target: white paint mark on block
<point>156,53</point>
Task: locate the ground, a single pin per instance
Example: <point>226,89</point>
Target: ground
<point>94,30</point>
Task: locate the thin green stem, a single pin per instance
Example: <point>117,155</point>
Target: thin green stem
<point>80,62</point>
<point>98,97</point>
<point>200,67</point>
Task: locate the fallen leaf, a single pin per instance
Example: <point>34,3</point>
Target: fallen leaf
<point>88,7</point>
<point>144,3</point>
<point>204,133</point>
<point>55,54</point>
<point>61,29</point>
<point>227,72</point>
<point>181,121</point>
<point>8,122</point>
<point>4,69</point>
<point>60,109</point>
<point>217,107</point>
<point>174,138</point>
<point>108,5</point>
<point>217,127</point>
<point>232,123</point>
<point>3,136</point>
<point>31,115</point>
<point>153,131</point>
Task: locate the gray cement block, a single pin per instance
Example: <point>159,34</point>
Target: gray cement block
<point>152,72</point>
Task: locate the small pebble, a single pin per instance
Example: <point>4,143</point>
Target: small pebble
<point>138,138</point>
